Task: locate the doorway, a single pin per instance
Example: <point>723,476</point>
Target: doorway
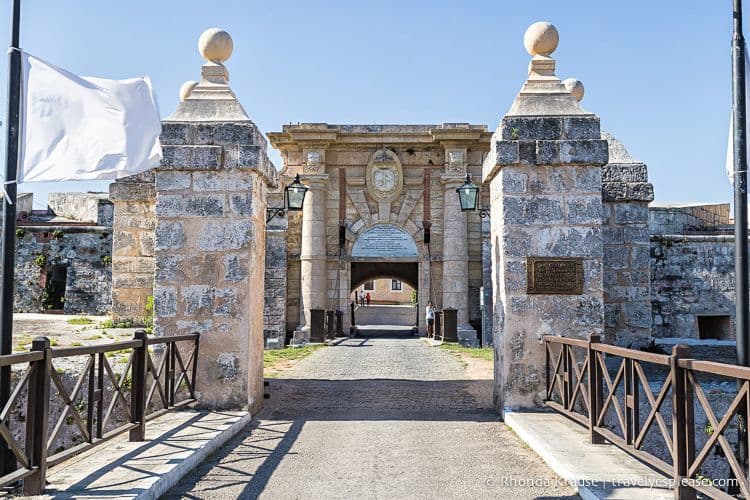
<point>392,288</point>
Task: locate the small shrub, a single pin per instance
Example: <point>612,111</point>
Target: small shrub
<point>106,260</point>
<point>80,321</point>
<point>121,323</point>
<point>20,232</point>
<point>57,234</point>
<point>41,260</point>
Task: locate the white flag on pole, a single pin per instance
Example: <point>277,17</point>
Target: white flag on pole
<point>82,128</point>
<point>730,140</point>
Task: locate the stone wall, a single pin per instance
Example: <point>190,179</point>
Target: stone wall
<point>84,207</point>
<point>133,245</point>
<point>85,254</point>
<point>275,288</point>
<point>691,276</point>
<point>626,193</point>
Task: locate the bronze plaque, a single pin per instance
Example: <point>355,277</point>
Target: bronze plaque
<point>554,275</point>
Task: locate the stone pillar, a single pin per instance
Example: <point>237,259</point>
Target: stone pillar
<point>132,245</point>
<point>456,257</point>
<point>313,254</point>
<point>210,233</point>
<point>544,172</point>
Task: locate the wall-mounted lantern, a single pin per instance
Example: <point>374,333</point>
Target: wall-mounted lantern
<point>468,197</point>
<point>294,199</point>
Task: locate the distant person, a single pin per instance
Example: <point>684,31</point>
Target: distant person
<point>430,317</point>
<point>368,298</point>
<point>362,298</point>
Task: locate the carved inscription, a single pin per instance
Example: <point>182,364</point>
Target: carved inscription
<point>554,275</point>
<point>384,241</point>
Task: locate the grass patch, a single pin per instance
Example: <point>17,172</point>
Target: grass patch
<point>93,337</point>
<point>274,357</point>
<point>486,353</point>
<point>80,321</point>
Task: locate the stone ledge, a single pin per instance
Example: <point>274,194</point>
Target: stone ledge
<point>132,191</point>
<point>550,128</point>
<point>627,191</point>
<point>551,152</point>
<point>177,443</point>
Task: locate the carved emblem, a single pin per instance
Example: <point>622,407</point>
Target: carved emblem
<point>313,161</point>
<point>384,175</point>
<point>455,162</point>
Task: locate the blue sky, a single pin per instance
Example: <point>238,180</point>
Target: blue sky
<point>656,72</point>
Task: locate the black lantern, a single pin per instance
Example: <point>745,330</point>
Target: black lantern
<point>294,199</point>
<point>295,195</point>
<point>468,195</point>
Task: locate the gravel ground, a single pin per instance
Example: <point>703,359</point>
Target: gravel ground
<point>377,417</point>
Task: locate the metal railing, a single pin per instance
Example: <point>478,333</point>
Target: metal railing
<point>582,386</point>
<point>154,367</point>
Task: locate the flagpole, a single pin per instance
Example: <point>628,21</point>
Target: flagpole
<point>7,291</point>
<point>742,316</point>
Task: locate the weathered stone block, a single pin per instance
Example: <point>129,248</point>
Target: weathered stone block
<point>228,236</point>
<point>168,205</point>
<point>173,181</point>
<point>584,210</point>
<point>192,157</point>
<point>165,301</point>
<point>531,128</point>
<point>537,210</point>
<point>169,235</point>
<point>581,128</point>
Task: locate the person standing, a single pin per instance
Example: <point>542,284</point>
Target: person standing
<point>362,298</point>
<point>430,317</point>
<point>368,298</point>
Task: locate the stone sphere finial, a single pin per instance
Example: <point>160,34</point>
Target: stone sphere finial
<point>541,38</point>
<point>215,45</point>
<point>575,87</point>
<point>187,89</point>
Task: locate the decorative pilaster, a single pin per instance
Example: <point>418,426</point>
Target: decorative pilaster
<point>313,253</point>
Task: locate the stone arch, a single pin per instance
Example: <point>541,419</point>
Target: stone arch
<point>363,272</point>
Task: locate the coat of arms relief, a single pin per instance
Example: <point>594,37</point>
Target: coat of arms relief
<point>384,176</point>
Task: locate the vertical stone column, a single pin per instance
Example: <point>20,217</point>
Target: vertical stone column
<point>210,233</point>
<point>455,256</point>
<point>313,254</point>
<point>544,172</point>
<point>455,247</point>
<point>132,245</point>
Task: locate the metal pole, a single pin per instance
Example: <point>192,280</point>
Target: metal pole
<point>740,189</point>
<point>742,314</point>
<point>7,460</point>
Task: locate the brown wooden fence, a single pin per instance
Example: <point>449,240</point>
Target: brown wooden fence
<point>582,385</point>
<point>157,377</point>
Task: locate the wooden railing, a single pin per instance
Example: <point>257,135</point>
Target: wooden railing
<point>608,398</point>
<point>156,378</point>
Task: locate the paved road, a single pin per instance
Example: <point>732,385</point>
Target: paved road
<point>379,417</point>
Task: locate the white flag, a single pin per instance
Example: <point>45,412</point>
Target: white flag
<point>730,140</point>
<point>81,128</point>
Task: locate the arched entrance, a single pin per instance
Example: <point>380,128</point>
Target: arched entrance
<point>385,252</point>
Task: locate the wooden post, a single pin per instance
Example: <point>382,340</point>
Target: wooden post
<point>195,364</point>
<point>138,388</point>
<point>37,414</point>
<point>680,422</point>
<point>595,390</point>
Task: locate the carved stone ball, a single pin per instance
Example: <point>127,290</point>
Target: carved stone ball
<point>575,87</point>
<point>187,89</point>
<point>541,38</point>
<point>215,45</point>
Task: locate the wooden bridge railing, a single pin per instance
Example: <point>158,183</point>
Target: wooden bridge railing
<point>157,377</point>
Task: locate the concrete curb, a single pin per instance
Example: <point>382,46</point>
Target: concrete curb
<point>557,467</point>
<point>171,478</point>
<point>594,471</point>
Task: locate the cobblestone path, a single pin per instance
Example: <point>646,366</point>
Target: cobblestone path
<point>375,418</point>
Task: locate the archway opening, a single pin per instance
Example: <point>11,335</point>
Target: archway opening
<point>385,296</point>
